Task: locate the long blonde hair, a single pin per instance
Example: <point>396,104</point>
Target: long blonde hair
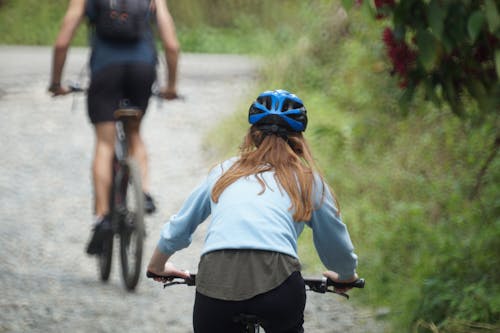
<point>291,160</point>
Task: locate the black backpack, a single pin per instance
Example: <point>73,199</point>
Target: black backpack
<point>120,20</point>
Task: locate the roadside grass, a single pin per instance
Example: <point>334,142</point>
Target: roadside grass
<point>241,27</point>
<point>32,22</point>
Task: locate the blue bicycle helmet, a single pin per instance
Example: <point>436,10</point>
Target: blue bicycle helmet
<point>279,108</point>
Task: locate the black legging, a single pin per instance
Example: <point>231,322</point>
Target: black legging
<point>281,310</point>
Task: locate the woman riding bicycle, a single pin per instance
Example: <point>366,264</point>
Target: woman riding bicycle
<point>259,204</point>
<point>123,69</point>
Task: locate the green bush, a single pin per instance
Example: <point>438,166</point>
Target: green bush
<point>427,245</point>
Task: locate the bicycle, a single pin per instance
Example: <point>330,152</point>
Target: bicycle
<point>126,204</point>
<point>253,323</point>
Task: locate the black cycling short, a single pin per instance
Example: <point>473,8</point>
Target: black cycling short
<point>281,309</point>
<point>115,83</point>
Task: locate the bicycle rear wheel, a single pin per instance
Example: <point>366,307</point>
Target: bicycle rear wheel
<point>132,231</point>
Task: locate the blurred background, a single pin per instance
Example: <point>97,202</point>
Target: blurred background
<point>403,106</point>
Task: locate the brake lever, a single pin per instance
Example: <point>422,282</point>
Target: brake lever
<point>171,283</point>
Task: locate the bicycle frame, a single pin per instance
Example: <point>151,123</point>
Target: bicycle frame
<point>121,147</point>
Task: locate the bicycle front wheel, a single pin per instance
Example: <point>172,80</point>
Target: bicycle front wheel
<point>132,230</point>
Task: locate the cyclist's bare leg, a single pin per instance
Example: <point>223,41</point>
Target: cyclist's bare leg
<point>137,149</point>
<point>102,168</point>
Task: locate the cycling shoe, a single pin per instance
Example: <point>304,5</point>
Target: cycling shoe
<point>149,204</point>
<point>101,230</point>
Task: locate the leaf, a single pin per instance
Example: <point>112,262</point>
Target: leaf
<point>436,18</point>
<point>476,89</point>
<point>451,96</point>
<point>431,94</point>
<point>475,24</point>
<point>497,62</point>
<point>427,49</point>
<point>492,15</point>
<point>448,44</point>
<point>406,98</point>
<point>367,9</point>
<point>347,4</point>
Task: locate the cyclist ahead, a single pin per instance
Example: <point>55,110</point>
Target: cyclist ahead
<point>123,68</point>
<point>259,203</point>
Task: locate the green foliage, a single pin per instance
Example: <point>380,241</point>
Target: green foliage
<point>406,187</point>
<point>448,48</point>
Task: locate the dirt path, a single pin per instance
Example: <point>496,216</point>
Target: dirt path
<point>48,284</point>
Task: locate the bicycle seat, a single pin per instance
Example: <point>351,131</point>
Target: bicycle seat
<point>129,112</point>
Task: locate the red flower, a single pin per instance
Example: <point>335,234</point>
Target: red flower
<point>400,54</point>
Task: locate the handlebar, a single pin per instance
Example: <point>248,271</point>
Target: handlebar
<point>320,285</point>
<point>74,87</point>
<point>171,280</point>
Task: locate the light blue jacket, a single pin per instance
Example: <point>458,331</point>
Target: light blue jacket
<point>245,219</point>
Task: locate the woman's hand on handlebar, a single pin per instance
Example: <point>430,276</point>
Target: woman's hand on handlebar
<point>334,276</point>
<point>168,270</point>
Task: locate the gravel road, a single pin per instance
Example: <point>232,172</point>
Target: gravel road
<point>48,284</point>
